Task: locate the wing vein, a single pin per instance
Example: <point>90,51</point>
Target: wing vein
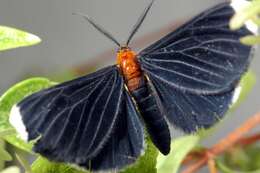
<point>77,128</point>
<point>221,40</point>
<point>103,111</point>
<point>222,26</point>
<point>91,113</point>
<point>226,54</point>
<point>188,65</point>
<point>205,62</point>
<point>183,75</point>
<point>62,111</point>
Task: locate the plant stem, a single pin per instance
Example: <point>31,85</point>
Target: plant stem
<point>226,143</point>
<point>212,166</point>
<point>249,140</point>
<point>237,134</point>
<point>196,166</point>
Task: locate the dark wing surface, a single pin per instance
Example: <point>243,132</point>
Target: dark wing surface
<point>77,120</point>
<point>196,69</point>
<point>190,112</point>
<point>203,56</point>
<point>126,143</point>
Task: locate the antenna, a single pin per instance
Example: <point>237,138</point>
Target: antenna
<point>139,22</point>
<point>99,28</point>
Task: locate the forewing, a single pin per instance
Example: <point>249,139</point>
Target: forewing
<point>126,143</point>
<point>74,120</point>
<point>203,56</point>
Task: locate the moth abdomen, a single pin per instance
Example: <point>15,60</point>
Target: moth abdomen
<point>154,120</point>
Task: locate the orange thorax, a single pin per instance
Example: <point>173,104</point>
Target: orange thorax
<point>127,62</point>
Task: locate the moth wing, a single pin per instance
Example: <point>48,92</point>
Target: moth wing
<point>77,120</point>
<point>125,144</point>
<point>190,112</point>
<point>203,56</point>
<point>195,70</point>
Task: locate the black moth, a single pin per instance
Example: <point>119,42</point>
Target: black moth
<point>95,123</point>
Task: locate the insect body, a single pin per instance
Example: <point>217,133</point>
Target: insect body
<point>150,110</point>
<point>186,80</point>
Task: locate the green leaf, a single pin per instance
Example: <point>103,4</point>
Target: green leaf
<point>12,169</point>
<point>237,158</point>
<point>250,40</point>
<point>12,97</point>
<point>247,83</point>
<point>147,162</point>
<point>253,152</point>
<point>12,38</point>
<point>225,169</point>
<point>243,158</point>
<point>4,155</point>
<point>42,165</point>
<point>23,162</point>
<point>7,132</point>
<point>245,14</point>
<point>180,148</point>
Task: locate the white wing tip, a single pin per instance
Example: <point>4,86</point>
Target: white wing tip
<point>240,4</point>
<point>236,95</point>
<point>16,121</point>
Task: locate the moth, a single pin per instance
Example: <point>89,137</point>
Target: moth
<point>186,80</point>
